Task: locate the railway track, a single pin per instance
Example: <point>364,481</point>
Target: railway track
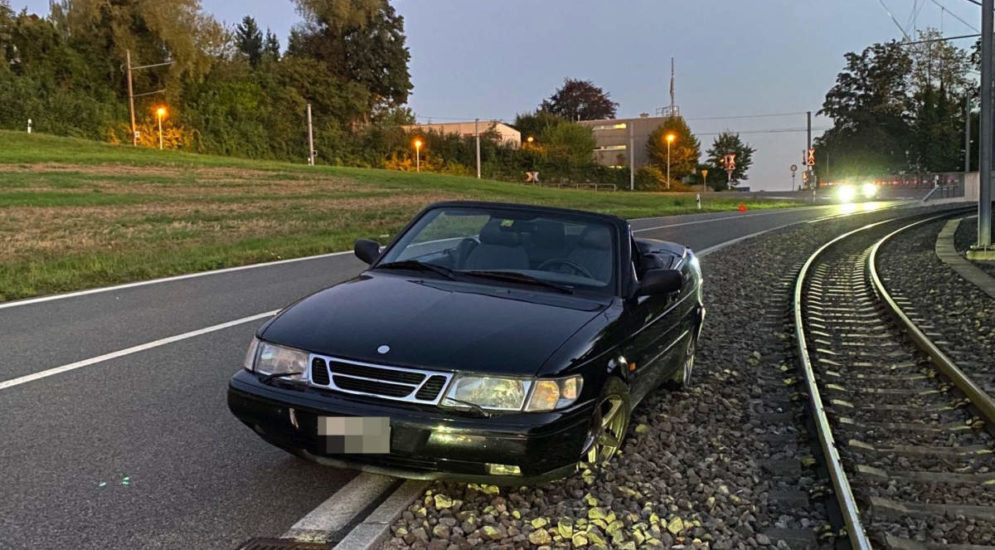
<point>906,435</point>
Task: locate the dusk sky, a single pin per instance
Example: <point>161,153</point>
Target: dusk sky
<point>493,59</point>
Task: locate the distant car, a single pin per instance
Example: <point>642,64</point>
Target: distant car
<point>850,192</point>
<point>494,343</point>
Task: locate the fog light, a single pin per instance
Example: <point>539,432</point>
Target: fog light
<point>504,470</point>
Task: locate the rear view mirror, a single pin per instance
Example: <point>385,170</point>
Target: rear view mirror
<point>367,250</point>
<point>660,281</point>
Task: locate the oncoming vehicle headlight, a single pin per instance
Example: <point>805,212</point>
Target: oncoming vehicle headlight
<point>869,190</point>
<point>271,359</point>
<point>846,193</point>
<point>510,394</point>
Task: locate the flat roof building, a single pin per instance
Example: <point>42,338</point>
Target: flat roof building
<point>508,135</point>
<point>612,139</point>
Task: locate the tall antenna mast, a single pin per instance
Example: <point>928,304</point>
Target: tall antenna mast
<point>673,103</point>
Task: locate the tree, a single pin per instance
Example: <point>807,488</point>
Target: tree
<point>684,149</point>
<point>872,109</point>
<point>249,40</point>
<point>580,100</point>
<point>357,40</point>
<point>271,46</point>
<point>534,124</point>
<point>723,144</point>
<point>568,143</point>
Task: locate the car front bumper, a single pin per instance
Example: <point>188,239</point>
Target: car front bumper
<point>425,442</point>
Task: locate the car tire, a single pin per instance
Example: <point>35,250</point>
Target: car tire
<point>682,376</point>
<point>610,422</point>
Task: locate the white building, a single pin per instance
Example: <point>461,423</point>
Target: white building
<point>508,135</point>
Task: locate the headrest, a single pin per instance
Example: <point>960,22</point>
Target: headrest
<point>493,233</point>
<point>549,234</point>
<point>596,237</point>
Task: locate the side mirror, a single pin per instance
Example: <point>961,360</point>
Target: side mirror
<point>660,281</point>
<point>367,250</point>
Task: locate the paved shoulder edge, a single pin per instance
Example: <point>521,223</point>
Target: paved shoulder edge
<point>947,253</point>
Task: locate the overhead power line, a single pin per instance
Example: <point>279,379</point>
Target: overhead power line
<point>895,21</point>
<point>731,117</point>
<point>955,16</point>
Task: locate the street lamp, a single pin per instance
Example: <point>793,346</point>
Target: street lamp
<point>159,114</point>
<point>530,140</point>
<point>418,155</point>
<point>670,139</point>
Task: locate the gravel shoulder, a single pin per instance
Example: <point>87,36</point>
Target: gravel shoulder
<point>725,464</point>
<point>959,315</point>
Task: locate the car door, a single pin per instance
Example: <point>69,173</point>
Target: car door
<point>653,321</point>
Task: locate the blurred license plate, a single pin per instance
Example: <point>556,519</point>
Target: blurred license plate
<point>355,434</point>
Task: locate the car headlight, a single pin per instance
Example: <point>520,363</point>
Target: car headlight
<point>554,393</point>
<point>846,193</point>
<point>869,190</point>
<point>504,394</point>
<point>270,359</point>
<point>509,394</point>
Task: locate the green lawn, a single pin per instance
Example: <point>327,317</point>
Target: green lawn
<point>77,214</point>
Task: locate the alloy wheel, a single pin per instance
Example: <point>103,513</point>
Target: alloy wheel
<point>613,424</point>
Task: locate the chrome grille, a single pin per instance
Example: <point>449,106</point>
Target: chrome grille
<point>394,383</point>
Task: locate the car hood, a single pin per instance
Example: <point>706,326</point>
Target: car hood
<point>434,324</point>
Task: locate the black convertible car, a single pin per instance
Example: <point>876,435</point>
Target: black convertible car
<point>494,343</point>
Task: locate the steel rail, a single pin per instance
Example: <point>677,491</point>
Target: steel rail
<point>984,402</point>
<point>844,494</point>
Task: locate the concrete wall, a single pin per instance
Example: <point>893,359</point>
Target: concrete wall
<point>972,186</point>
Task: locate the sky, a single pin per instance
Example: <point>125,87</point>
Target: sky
<point>491,59</point>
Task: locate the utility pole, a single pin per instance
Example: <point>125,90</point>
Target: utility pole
<point>808,147</point>
<point>310,138</point>
<point>131,100</point>
<point>985,157</point>
<point>967,133</point>
<point>632,159</point>
<point>476,132</point>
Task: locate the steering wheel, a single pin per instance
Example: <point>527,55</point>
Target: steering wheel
<point>577,268</point>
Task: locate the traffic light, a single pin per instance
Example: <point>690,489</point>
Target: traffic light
<point>805,176</point>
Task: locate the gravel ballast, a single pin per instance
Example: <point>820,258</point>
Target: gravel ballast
<point>725,464</point>
<point>957,315</point>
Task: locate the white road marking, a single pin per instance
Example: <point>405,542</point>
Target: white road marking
<point>164,280</point>
<point>128,351</point>
<point>726,218</point>
<point>340,508</point>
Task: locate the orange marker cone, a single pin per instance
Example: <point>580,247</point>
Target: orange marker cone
<point>742,207</point>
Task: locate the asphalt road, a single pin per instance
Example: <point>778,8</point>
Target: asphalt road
<point>139,451</point>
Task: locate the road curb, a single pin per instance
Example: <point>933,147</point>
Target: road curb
<point>375,528</point>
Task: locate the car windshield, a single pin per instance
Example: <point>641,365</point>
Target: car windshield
<point>556,251</point>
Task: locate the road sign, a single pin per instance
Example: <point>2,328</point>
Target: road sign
<point>704,173</point>
<point>794,168</point>
<point>532,177</point>
<point>811,157</point>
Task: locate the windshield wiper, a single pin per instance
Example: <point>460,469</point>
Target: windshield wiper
<point>473,406</point>
<point>513,277</point>
<point>416,265</point>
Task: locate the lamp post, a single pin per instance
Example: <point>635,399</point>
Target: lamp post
<point>418,155</point>
<point>670,139</point>
<point>159,113</point>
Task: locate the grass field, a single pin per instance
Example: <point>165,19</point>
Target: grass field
<point>76,214</point>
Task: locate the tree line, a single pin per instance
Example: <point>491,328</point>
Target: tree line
<point>899,108</point>
<point>234,91</point>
